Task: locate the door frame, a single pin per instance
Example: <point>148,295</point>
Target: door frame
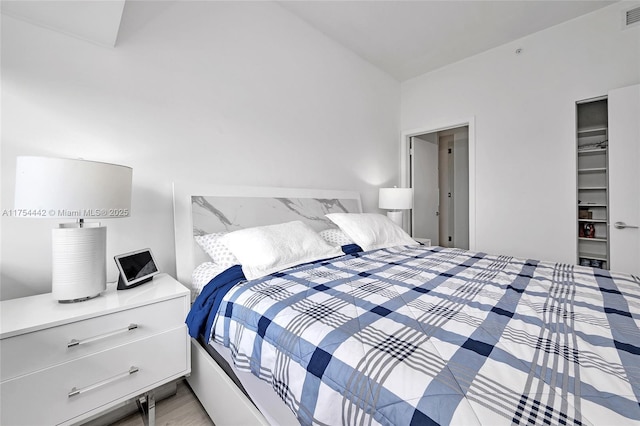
<point>432,127</point>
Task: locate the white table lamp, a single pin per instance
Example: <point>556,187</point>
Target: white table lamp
<point>395,200</point>
<point>60,188</point>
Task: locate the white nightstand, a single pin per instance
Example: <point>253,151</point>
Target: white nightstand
<point>425,241</point>
<point>65,363</point>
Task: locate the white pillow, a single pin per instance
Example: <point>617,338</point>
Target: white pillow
<point>266,249</point>
<point>217,251</point>
<point>335,237</point>
<point>371,231</point>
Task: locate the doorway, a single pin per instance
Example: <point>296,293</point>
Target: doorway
<point>439,175</point>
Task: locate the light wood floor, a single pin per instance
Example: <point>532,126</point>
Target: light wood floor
<point>181,409</point>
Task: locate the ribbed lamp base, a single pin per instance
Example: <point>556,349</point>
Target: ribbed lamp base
<point>396,217</point>
<point>79,268</point>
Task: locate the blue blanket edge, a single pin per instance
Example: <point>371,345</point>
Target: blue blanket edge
<point>204,308</point>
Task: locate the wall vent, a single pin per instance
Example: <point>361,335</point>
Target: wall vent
<point>632,17</point>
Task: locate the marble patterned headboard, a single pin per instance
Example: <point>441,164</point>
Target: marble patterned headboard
<point>206,209</point>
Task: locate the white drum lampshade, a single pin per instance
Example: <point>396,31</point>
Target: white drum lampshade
<point>395,200</point>
<point>61,188</point>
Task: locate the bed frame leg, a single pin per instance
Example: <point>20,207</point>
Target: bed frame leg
<point>147,407</point>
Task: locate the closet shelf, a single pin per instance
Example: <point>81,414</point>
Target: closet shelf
<point>599,240</point>
<point>586,130</point>
<point>593,256</point>
<point>593,170</point>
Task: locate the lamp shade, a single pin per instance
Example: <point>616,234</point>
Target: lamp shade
<point>395,198</point>
<point>65,188</point>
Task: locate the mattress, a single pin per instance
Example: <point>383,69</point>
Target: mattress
<point>258,391</point>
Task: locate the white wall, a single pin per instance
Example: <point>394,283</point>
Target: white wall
<point>524,114</point>
<point>228,92</point>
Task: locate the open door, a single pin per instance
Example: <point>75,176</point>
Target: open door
<point>439,166</point>
<point>624,179</point>
<point>423,152</point>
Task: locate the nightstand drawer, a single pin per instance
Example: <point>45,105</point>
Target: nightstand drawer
<point>66,391</point>
<point>41,349</point>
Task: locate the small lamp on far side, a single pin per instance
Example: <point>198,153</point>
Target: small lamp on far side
<point>395,200</point>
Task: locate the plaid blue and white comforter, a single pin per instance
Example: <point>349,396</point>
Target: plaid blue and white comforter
<point>417,336</point>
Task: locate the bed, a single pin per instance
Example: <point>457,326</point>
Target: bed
<point>403,333</point>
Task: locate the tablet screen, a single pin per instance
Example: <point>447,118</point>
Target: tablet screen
<point>137,265</point>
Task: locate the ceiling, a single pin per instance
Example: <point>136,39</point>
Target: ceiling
<point>95,21</point>
<point>409,38</point>
<point>403,38</point>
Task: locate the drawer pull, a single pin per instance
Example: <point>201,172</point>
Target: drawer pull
<point>76,342</point>
<point>75,391</point>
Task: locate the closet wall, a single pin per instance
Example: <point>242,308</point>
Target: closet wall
<point>523,107</point>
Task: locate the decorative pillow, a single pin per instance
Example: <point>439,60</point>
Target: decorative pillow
<point>217,251</point>
<point>335,237</point>
<point>266,249</point>
<point>371,230</point>
<point>204,273</point>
